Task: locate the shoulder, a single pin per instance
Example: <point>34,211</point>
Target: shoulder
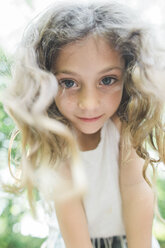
<point>131,165</point>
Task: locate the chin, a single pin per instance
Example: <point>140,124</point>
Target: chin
<point>88,130</point>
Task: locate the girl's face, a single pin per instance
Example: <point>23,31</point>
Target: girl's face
<point>90,77</point>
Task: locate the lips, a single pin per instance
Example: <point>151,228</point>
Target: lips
<point>91,119</point>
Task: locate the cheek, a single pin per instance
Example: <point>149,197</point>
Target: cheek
<point>64,103</point>
<point>115,96</point>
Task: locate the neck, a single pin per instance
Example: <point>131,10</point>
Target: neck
<point>87,142</point>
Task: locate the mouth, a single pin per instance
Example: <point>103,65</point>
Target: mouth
<point>91,119</point>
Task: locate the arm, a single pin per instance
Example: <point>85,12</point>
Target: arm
<point>138,203</point>
<point>71,217</point>
<point>137,199</point>
<point>73,224</point>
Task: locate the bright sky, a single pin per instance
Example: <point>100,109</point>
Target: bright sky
<point>15,15</point>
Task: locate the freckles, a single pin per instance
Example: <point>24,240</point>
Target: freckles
<point>117,89</point>
<point>115,95</point>
<point>64,101</point>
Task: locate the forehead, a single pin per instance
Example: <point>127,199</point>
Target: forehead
<point>95,50</point>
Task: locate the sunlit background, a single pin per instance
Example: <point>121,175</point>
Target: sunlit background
<point>14,16</point>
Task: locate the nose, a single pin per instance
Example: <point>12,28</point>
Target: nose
<point>89,99</point>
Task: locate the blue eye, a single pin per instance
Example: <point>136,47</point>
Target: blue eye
<point>108,81</point>
<point>67,83</point>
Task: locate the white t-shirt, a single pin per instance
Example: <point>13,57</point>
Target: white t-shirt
<point>103,201</point>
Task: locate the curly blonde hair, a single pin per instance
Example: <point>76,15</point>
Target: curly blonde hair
<point>47,141</point>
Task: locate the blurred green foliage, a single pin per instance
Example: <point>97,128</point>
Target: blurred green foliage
<point>161,195</point>
<point>159,225</point>
<point>9,236</point>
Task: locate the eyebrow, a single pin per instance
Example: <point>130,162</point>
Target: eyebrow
<point>103,71</point>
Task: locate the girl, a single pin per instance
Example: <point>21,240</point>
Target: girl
<point>79,92</point>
